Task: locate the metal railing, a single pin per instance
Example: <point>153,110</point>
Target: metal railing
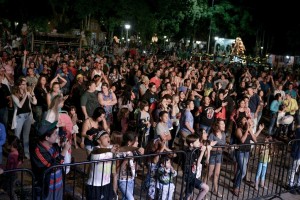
<point>269,170</point>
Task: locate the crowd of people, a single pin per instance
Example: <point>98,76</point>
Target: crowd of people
<point>155,104</point>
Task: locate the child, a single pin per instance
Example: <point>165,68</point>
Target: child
<point>126,168</point>
<point>75,129</point>
<point>191,164</point>
<point>99,184</point>
<point>16,155</point>
<point>203,137</point>
<point>166,174</point>
<point>143,123</point>
<point>264,159</point>
<point>14,160</point>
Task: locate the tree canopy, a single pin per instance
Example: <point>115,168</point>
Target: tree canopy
<point>176,19</point>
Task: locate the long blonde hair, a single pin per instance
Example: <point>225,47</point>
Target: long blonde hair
<point>55,103</point>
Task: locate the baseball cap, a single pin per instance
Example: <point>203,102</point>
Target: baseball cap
<point>100,134</point>
<point>46,126</point>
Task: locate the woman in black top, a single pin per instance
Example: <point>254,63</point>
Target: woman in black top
<point>244,135</point>
<point>23,97</point>
<point>40,91</point>
<point>90,127</point>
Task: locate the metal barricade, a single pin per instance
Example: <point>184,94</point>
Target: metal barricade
<point>291,177</point>
<point>78,183</point>
<point>17,184</point>
<point>248,171</point>
<point>272,164</point>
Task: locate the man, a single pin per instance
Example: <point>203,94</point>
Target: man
<point>291,106</point>
<point>47,153</point>
<point>89,100</point>
<point>67,74</point>
<point>151,97</point>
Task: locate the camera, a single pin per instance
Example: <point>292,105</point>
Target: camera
<point>62,135</point>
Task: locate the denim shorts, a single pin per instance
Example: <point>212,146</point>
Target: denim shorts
<point>215,158</point>
<point>192,183</point>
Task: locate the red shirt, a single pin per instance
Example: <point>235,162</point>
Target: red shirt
<point>156,81</point>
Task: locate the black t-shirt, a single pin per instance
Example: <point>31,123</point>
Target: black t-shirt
<point>150,98</point>
<point>41,97</point>
<point>207,115</point>
<point>4,93</point>
<point>190,163</point>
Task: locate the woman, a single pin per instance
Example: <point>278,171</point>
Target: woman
<point>144,86</point>
<point>124,70</point>
<point>107,99</point>
<point>90,127</point>
<point>261,105</point>
<point>237,114</point>
<point>207,114</point>
<point>23,97</point>
<point>182,101</point>
<point>217,138</point>
<point>167,90</point>
<point>41,91</point>
<point>126,167</point>
<point>55,90</point>
<point>55,108</point>
<point>126,100</point>
<point>244,135</point>
<point>115,76</point>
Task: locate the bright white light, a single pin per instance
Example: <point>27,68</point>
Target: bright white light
<point>16,23</point>
<point>216,38</point>
<point>287,57</point>
<point>261,47</point>
<point>198,42</point>
<point>167,40</point>
<point>127,26</point>
<point>165,37</point>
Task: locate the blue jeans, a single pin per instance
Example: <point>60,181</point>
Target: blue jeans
<point>242,161</point>
<point>24,121</point>
<point>261,171</point>
<point>273,119</point>
<point>126,187</point>
<point>206,128</point>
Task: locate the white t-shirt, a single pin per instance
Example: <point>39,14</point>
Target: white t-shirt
<point>100,173</point>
